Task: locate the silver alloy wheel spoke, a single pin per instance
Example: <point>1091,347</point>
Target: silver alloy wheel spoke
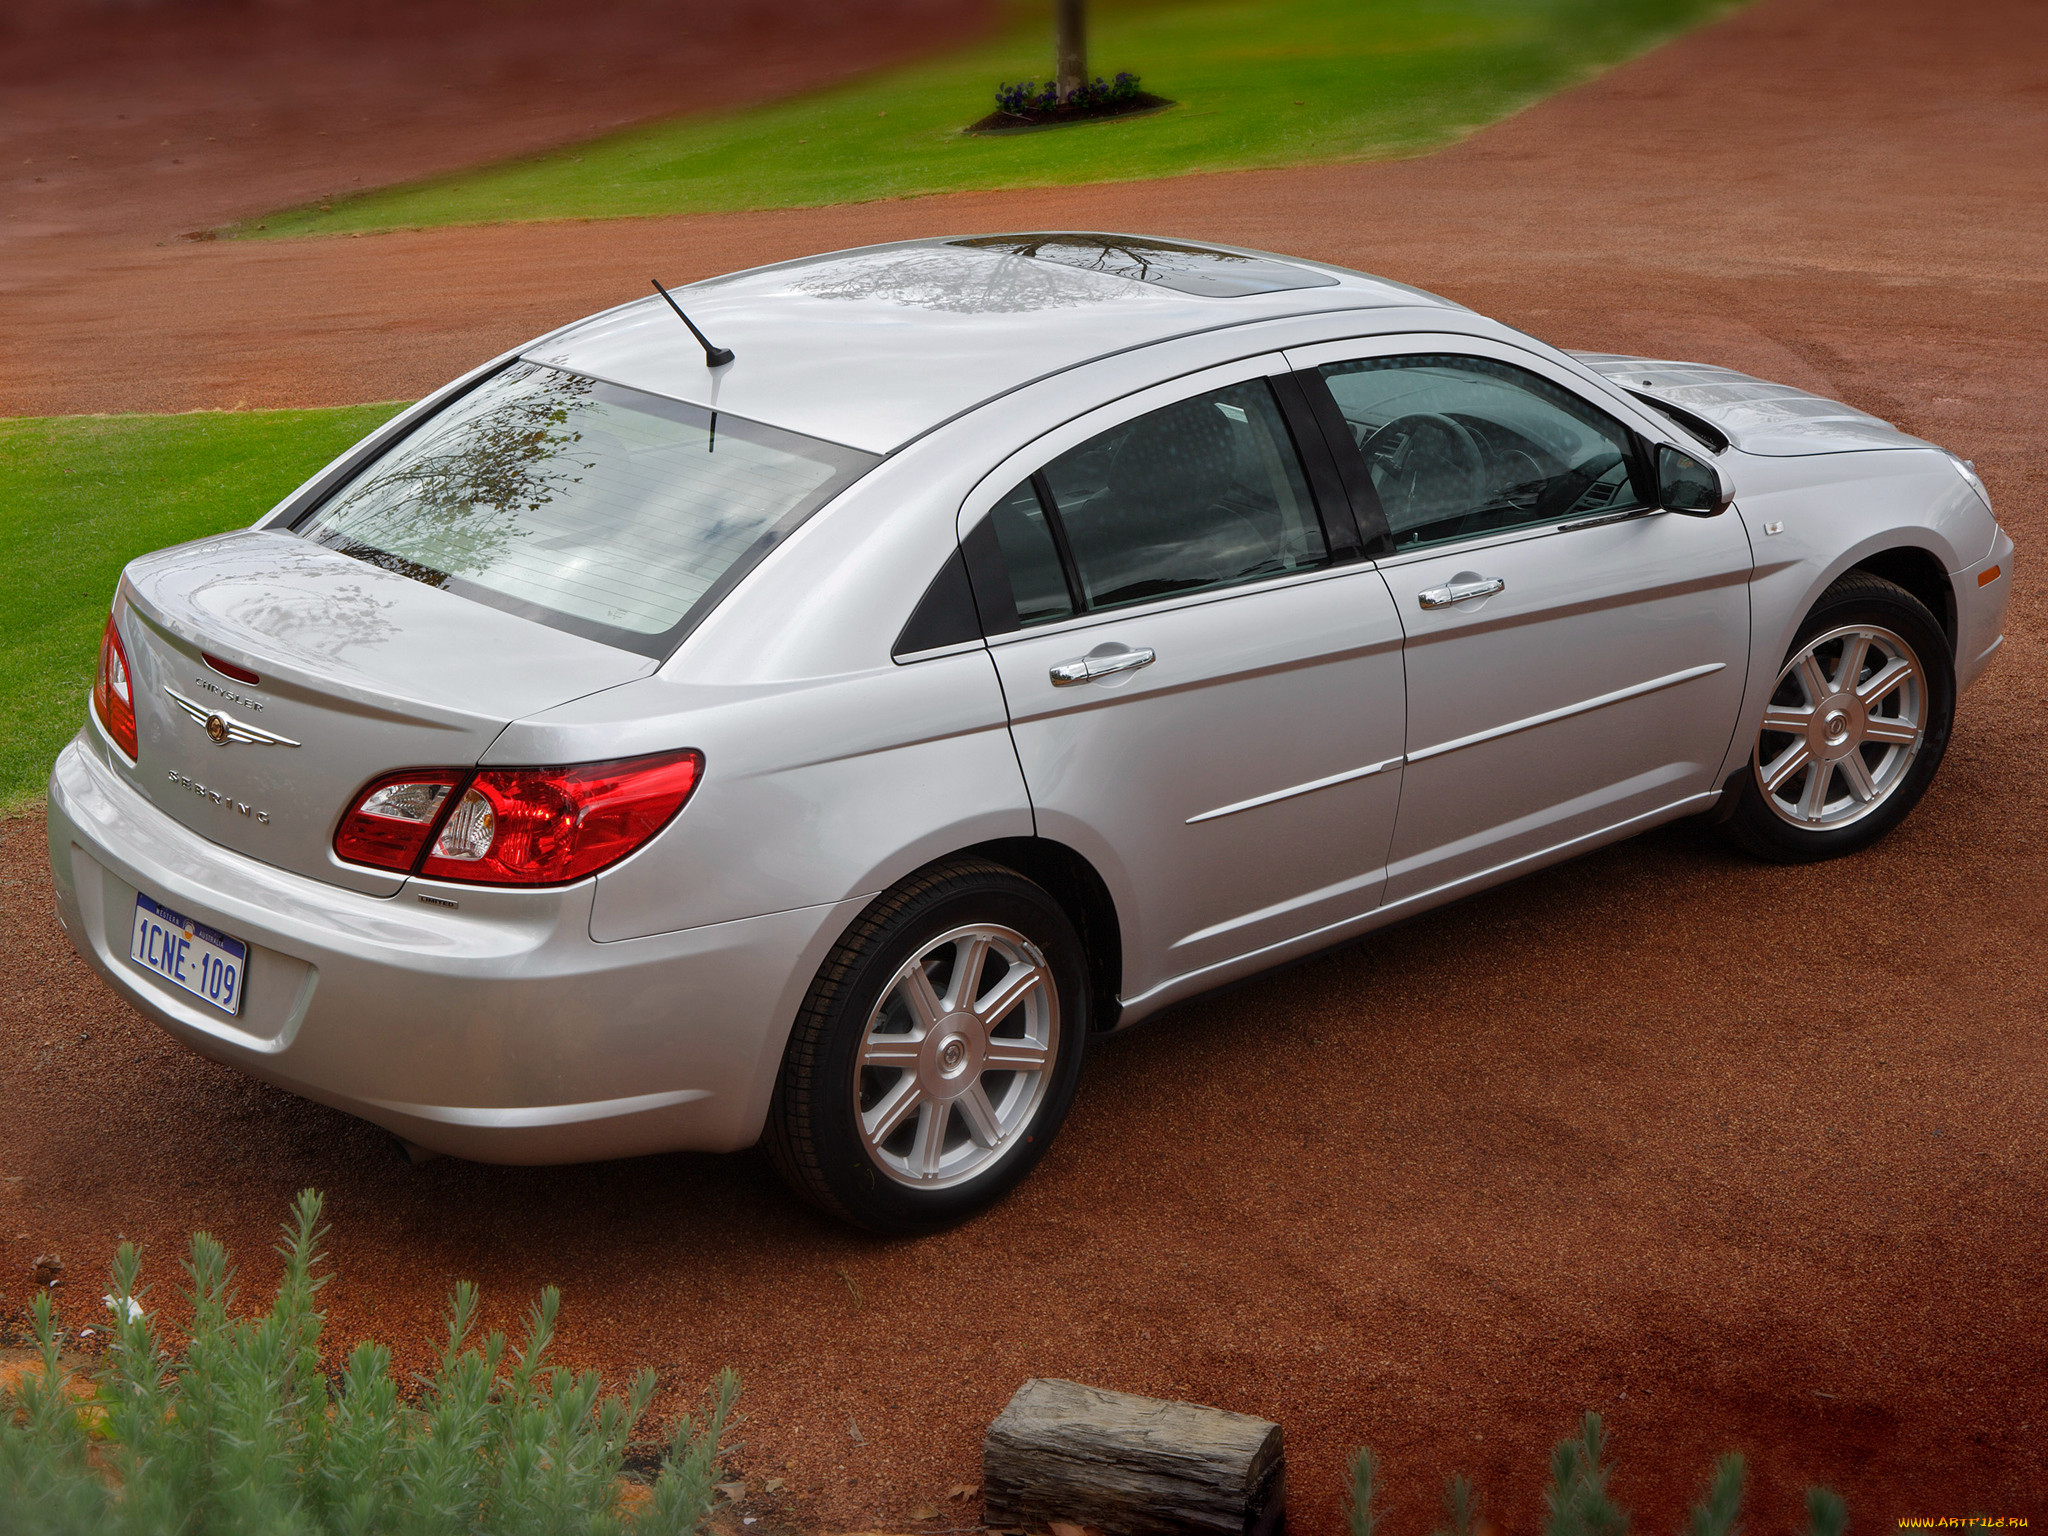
<point>1812,679</point>
<point>892,1051</point>
<point>930,1113</point>
<point>1856,774</point>
<point>902,1101</point>
<point>1854,649</point>
<point>922,998</point>
<point>1783,766</point>
<point>1813,798</point>
<point>1828,757</point>
<point>980,1116</point>
<point>1014,1056</point>
<point>1793,722</point>
<point>1885,681</point>
<point>1879,728</point>
<point>1007,994</point>
<point>969,963</point>
<point>929,1149</point>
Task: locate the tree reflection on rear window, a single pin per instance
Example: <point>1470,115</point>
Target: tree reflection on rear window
<point>604,511</point>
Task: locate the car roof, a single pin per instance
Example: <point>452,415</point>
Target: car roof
<point>875,346</point>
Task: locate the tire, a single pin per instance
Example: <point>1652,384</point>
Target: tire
<point>1877,738</point>
<point>893,1110</point>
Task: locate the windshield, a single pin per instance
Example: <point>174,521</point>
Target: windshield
<point>600,510</point>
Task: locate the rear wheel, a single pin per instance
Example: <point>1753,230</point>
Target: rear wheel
<point>936,1053</point>
<point>1855,727</point>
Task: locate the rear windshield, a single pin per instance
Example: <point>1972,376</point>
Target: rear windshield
<point>600,510</point>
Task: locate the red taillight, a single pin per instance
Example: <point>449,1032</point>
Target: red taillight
<point>516,826</point>
<point>113,695</point>
<point>392,819</point>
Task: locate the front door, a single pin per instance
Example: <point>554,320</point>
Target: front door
<point>1575,660</point>
<point>1204,705</point>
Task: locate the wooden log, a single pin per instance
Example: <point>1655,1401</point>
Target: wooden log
<point>1129,1466</point>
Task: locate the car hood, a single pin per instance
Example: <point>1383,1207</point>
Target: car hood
<point>1757,416</point>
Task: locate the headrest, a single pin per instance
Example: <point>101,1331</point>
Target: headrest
<point>1179,459</point>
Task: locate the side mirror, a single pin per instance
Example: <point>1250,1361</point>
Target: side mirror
<point>1686,485</point>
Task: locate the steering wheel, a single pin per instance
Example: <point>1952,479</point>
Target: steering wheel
<point>1562,496</point>
<point>1427,467</point>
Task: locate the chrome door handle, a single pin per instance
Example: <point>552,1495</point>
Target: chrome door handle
<point>1460,592</point>
<point>1085,669</point>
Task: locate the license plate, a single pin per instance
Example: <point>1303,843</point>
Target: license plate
<point>202,960</point>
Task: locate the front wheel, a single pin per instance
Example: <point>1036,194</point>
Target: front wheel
<point>936,1053</point>
<point>1855,728</point>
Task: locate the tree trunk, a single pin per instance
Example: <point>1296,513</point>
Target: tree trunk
<point>1129,1466</point>
<point>1072,51</point>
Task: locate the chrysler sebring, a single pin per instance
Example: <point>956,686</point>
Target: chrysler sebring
<point>803,708</point>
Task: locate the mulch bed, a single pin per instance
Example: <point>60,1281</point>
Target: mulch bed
<point>1141,105</point>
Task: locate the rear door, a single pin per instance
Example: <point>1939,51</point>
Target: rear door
<point>1204,683</point>
<point>1575,659</point>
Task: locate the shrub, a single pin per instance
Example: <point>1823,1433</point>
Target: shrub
<point>241,1431</point>
<point>1578,1501</point>
<point>1097,95</point>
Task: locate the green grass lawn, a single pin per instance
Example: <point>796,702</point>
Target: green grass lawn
<point>1259,82</point>
<point>81,496</point>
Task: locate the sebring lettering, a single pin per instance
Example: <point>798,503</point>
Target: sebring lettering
<point>240,807</point>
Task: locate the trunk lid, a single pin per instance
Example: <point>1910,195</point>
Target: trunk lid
<point>1757,416</point>
<point>361,672</point>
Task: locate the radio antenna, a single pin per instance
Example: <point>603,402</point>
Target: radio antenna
<point>714,357</point>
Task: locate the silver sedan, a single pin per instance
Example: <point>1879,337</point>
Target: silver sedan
<point>804,708</point>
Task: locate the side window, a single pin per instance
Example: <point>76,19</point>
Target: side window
<point>1206,492</point>
<point>1031,557</point>
<point>1462,446</point>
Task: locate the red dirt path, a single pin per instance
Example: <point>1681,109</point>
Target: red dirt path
<point>143,120</point>
<point>1739,1156</point>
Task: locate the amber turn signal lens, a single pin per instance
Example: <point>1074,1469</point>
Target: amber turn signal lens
<point>1985,578</point>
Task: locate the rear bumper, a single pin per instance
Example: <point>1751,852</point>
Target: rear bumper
<point>500,1031</point>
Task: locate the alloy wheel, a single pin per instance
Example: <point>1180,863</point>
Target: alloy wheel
<point>957,1056</point>
<point>1846,720</point>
